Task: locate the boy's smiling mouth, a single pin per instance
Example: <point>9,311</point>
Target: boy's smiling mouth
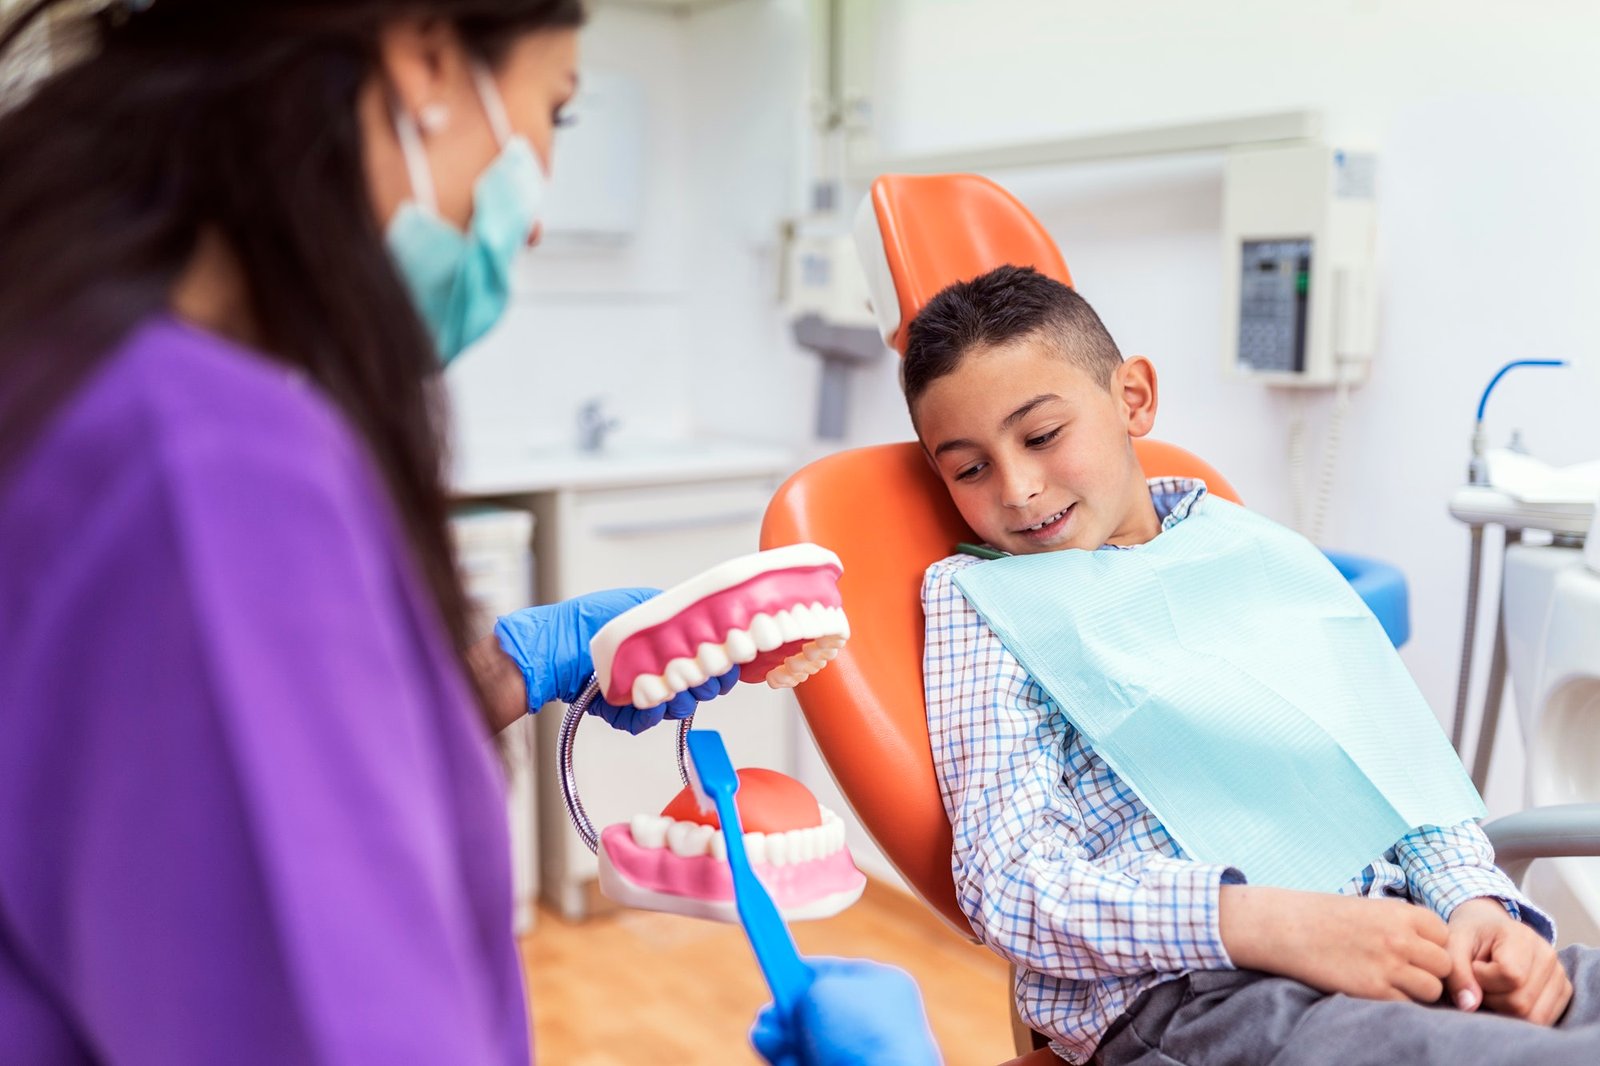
<point>1047,528</point>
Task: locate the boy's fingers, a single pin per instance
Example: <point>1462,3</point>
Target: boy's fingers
<point>1463,989</point>
<point>1553,1001</point>
<point>1500,975</point>
<point>1419,985</point>
<point>1435,960</point>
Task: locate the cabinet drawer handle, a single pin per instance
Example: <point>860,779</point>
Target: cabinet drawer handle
<point>676,525</point>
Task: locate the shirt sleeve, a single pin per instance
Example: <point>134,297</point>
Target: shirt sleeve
<point>243,792</point>
<point>1023,844</point>
<point>1446,866</point>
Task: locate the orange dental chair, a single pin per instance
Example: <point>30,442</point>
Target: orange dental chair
<point>886,514</point>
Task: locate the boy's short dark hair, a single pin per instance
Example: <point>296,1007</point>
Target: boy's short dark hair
<point>1007,303</point>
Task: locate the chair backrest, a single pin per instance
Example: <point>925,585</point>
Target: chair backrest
<point>917,233</point>
<point>887,515</point>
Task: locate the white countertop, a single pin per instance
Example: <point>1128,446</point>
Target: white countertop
<point>516,471</point>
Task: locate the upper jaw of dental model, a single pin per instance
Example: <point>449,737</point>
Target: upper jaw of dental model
<point>776,614</point>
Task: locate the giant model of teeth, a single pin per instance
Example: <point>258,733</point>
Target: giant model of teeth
<point>777,616</point>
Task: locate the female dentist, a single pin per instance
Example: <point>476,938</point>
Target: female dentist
<point>248,811</point>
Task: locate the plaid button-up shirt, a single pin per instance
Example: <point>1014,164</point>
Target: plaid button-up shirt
<point>1065,872</point>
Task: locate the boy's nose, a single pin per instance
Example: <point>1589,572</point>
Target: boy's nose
<point>1018,487</point>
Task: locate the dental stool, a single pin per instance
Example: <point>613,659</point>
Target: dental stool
<point>885,513</point>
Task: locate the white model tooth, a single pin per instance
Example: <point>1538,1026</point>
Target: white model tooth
<point>678,834</point>
<point>700,838</point>
<point>828,817</point>
<point>825,841</point>
<point>788,625</point>
<point>802,846</point>
<point>719,847</point>
<point>649,830</point>
<point>741,646</point>
<point>778,849</point>
<point>831,642</point>
<point>820,651</point>
<point>755,847</point>
<point>782,677</point>
<point>713,659</point>
<point>804,621</point>
<point>650,691</point>
<point>835,837</point>
<point>684,674</point>
<point>765,632</point>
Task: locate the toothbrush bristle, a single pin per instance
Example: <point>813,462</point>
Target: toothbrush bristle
<point>701,796</point>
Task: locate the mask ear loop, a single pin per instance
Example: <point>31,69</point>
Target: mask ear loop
<point>494,104</point>
<point>410,138</point>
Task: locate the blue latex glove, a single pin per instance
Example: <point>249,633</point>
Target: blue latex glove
<point>550,645</point>
<point>856,1013</point>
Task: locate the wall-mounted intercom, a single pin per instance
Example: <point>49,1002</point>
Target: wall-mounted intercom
<point>1298,291</point>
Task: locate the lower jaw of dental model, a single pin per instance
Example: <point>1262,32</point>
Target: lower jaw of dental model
<point>776,615</point>
<point>677,861</point>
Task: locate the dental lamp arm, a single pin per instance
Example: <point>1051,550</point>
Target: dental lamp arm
<point>1568,829</point>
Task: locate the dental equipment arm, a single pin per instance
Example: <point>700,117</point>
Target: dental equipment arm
<point>1558,831</point>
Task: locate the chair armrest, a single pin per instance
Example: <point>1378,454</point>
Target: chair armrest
<point>1544,833</point>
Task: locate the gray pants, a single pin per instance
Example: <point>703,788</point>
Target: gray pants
<point>1240,1017</point>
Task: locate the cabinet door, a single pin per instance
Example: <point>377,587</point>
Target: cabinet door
<point>645,536</point>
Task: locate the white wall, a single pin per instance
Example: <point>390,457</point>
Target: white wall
<point>1483,115</point>
<point>1481,112</point>
<point>600,320</point>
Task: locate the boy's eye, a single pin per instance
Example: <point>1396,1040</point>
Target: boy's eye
<point>970,472</point>
<point>1044,438</point>
<point>563,118</point>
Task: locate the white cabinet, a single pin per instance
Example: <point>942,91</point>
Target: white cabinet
<point>596,538</point>
<point>492,546</point>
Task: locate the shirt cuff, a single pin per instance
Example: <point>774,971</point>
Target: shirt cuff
<point>1485,884</point>
<point>1186,913</point>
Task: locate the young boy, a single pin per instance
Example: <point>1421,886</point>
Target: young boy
<point>1125,946</point>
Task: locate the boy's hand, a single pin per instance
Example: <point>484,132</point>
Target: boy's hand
<point>1370,948</point>
<point>1504,965</point>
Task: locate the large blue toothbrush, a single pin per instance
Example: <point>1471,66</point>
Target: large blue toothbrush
<point>714,782</point>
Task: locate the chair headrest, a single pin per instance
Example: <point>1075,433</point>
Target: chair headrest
<point>917,234</point>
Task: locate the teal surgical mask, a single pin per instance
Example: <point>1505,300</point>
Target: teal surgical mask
<point>461,282</point>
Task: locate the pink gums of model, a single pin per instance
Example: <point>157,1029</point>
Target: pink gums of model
<point>777,615</point>
<point>677,861</point>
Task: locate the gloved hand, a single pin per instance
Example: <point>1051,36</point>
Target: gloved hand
<point>856,1013</point>
<point>550,645</point>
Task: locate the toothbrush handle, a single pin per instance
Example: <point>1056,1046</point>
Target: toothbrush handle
<point>786,972</point>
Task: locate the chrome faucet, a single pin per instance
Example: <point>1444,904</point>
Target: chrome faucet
<point>593,425</point>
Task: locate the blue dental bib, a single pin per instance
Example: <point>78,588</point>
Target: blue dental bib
<point>1231,676</point>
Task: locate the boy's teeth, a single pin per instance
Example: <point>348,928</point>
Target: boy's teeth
<point>1047,521</point>
<point>692,839</point>
<point>823,628</point>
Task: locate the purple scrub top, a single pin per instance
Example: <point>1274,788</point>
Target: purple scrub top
<point>248,813</point>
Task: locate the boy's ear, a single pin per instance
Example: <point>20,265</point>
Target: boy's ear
<point>1134,386</point>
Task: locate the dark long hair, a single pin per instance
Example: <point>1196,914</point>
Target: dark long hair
<point>238,117</point>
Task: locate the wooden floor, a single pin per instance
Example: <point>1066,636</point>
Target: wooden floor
<point>638,987</point>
